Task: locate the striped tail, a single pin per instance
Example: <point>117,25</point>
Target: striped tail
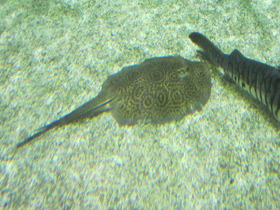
<point>259,79</point>
<point>210,52</point>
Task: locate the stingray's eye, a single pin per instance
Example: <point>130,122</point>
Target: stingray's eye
<point>184,72</point>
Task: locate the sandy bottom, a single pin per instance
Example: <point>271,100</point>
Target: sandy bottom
<point>55,55</point>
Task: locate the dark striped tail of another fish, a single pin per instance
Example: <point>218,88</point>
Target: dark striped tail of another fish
<point>260,80</point>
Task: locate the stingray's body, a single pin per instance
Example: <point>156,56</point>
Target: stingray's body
<point>158,90</point>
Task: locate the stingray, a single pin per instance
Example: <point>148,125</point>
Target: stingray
<point>158,90</point>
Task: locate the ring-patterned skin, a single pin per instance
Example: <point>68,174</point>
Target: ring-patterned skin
<point>158,90</point>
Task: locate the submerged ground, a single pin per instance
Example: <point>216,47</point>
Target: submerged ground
<point>55,55</point>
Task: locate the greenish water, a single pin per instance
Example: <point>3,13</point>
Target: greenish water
<point>55,55</point>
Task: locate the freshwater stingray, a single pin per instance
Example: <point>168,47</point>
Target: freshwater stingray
<point>158,90</point>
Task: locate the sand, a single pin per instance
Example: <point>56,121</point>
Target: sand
<point>55,55</point>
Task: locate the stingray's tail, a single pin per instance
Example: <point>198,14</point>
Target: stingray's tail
<point>209,51</point>
<point>89,109</point>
